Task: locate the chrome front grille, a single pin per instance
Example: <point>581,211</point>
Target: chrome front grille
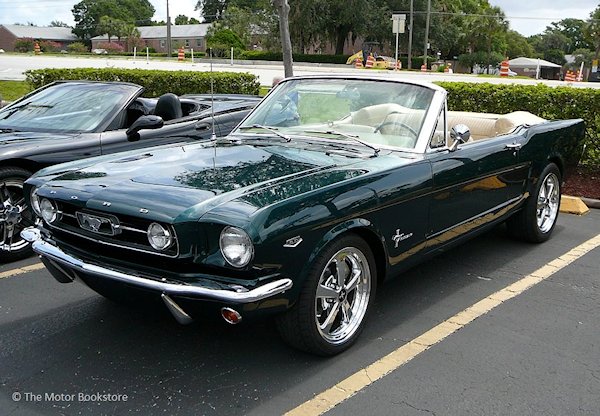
<point>109,229</point>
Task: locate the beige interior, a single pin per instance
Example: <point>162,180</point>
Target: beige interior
<point>483,125</point>
<point>392,120</point>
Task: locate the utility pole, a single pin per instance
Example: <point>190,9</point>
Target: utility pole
<point>427,32</point>
<point>410,33</point>
<point>169,46</point>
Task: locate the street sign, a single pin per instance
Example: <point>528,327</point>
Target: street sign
<point>398,23</point>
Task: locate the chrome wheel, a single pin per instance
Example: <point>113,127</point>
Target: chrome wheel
<point>342,295</point>
<point>548,203</point>
<point>12,206</point>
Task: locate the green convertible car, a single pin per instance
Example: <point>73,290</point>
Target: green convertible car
<point>329,186</point>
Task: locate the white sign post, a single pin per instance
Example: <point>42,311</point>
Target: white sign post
<point>398,25</point>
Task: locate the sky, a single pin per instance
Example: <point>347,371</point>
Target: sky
<point>527,17</point>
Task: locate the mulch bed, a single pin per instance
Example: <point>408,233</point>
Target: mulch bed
<point>584,182</point>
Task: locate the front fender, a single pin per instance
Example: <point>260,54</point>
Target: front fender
<point>365,228</point>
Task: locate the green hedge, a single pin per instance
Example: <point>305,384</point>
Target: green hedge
<point>155,82</point>
<point>552,103</point>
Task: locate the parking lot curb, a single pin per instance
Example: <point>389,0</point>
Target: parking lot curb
<point>591,203</point>
<point>573,205</point>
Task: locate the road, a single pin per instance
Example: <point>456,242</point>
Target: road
<point>12,67</point>
<point>63,347</point>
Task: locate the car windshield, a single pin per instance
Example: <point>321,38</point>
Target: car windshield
<point>67,107</point>
<point>376,112</point>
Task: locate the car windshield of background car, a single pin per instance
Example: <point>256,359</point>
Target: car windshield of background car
<point>379,112</point>
<point>66,108</point>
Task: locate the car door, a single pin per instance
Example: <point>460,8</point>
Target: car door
<point>472,186</point>
<point>59,148</point>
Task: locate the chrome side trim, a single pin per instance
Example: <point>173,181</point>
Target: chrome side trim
<point>52,252</point>
<point>502,209</point>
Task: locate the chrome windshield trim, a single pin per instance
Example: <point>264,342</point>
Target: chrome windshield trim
<point>52,252</point>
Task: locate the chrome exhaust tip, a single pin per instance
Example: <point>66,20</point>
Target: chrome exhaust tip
<point>231,316</point>
<point>176,310</point>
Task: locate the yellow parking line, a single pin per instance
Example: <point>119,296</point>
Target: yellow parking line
<point>345,389</point>
<point>21,270</point>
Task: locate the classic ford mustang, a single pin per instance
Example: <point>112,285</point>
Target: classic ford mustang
<point>331,185</point>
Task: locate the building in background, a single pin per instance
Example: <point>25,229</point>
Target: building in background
<point>11,34</point>
<point>155,37</point>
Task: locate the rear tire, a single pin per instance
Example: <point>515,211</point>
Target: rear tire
<point>14,215</point>
<point>332,308</point>
<point>536,221</point>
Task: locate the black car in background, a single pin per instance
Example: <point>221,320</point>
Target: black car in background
<point>71,120</point>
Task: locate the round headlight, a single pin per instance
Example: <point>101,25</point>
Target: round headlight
<point>236,246</point>
<point>48,210</point>
<point>35,202</point>
<point>159,237</point>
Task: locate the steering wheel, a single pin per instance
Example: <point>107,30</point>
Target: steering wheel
<point>396,123</point>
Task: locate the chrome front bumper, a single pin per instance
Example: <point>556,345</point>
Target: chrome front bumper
<point>71,265</point>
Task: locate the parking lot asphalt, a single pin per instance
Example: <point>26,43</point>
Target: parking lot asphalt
<point>63,348</point>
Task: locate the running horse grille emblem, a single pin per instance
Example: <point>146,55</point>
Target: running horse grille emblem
<point>97,224</point>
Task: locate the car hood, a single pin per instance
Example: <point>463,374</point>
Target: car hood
<point>180,183</point>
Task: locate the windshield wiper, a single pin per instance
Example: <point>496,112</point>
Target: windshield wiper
<point>271,129</point>
<point>12,110</point>
<point>349,136</point>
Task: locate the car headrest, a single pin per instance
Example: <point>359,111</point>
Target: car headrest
<point>168,107</point>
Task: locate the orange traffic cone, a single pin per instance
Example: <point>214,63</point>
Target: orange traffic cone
<point>370,62</point>
<point>570,76</point>
<point>36,48</point>
<point>358,63</point>
<point>504,68</point>
<point>424,68</point>
<point>181,54</point>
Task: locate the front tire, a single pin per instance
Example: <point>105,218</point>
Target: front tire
<point>14,215</point>
<point>536,221</point>
<point>333,305</point>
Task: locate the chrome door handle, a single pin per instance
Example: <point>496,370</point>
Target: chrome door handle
<point>513,146</point>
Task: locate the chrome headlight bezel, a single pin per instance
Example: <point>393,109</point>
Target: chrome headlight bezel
<point>236,247</point>
<point>156,232</point>
<point>48,210</point>
<point>35,199</point>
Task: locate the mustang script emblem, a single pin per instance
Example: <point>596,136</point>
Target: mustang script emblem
<point>400,237</point>
<point>98,224</point>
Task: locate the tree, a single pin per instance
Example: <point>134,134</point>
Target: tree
<point>283,10</point>
<point>211,10</point>
<point>584,56</point>
<point>253,25</point>
<point>184,20</point>
<point>87,14</point>
<point>574,32</point>
<point>58,23</point>
<point>517,45</point>
<point>111,27</point>
<point>592,31</point>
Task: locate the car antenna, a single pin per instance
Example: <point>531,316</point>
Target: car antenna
<point>213,137</point>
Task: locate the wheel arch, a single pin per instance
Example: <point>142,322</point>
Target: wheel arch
<point>26,164</point>
<point>558,161</point>
<point>364,229</point>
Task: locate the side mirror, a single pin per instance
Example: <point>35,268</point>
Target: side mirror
<point>149,122</point>
<point>460,134</point>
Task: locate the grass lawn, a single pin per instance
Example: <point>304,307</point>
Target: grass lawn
<point>11,90</point>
